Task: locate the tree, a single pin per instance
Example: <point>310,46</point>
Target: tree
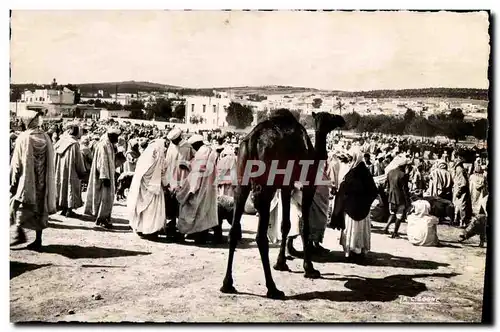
<point>114,106</point>
<point>480,130</point>
<point>389,125</point>
<point>456,114</point>
<point>420,126</point>
<point>135,105</point>
<point>351,120</point>
<point>340,106</point>
<point>15,94</point>
<point>458,130</point>
<point>161,108</point>
<point>409,115</point>
<point>180,111</point>
<point>317,102</point>
<point>135,108</point>
<point>239,116</point>
<point>137,114</point>
<point>454,127</point>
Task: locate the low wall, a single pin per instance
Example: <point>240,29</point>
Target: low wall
<point>182,126</point>
<point>159,124</point>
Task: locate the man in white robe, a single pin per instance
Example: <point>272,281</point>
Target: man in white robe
<point>179,153</point>
<point>478,188</point>
<point>146,200</point>
<point>198,194</point>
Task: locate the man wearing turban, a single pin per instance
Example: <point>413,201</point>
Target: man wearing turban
<point>101,187</point>
<point>70,169</point>
<point>32,184</point>
<point>179,152</point>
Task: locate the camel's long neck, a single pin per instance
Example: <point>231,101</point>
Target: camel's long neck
<point>320,145</point>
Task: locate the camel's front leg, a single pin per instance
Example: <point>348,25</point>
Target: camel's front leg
<point>285,229</point>
<point>263,206</point>
<point>241,196</point>
<point>307,199</point>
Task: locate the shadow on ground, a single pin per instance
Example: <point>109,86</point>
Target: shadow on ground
<point>376,230</point>
<point>114,229</point>
<point>368,289</point>
<point>81,217</point>
<point>244,243</point>
<point>373,289</point>
<point>18,268</point>
<point>77,252</point>
<point>378,259</point>
<point>244,231</point>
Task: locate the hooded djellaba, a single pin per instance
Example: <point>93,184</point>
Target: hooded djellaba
<point>32,184</point>
<point>353,200</point>
<point>70,170</point>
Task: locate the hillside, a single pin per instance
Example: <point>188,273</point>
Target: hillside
<point>267,90</point>
<point>125,87</point>
<point>108,87</point>
<point>135,86</point>
<point>479,94</point>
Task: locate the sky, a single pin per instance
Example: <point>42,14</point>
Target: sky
<point>350,51</point>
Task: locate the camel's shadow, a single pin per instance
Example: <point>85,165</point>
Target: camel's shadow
<point>362,289</point>
<point>114,229</point>
<point>378,259</point>
<point>18,268</point>
<point>79,252</point>
<point>244,243</point>
<point>373,289</point>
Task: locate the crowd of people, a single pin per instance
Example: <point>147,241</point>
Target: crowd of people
<point>60,167</point>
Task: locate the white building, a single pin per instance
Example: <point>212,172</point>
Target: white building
<point>123,98</point>
<point>107,114</point>
<point>48,96</point>
<point>102,99</point>
<point>211,110</point>
<point>52,102</point>
<point>443,106</point>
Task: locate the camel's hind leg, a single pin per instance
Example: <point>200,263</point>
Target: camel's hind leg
<point>241,196</point>
<point>285,229</point>
<point>263,204</point>
<point>307,200</point>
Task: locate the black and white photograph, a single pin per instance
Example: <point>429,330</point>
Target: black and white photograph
<point>250,166</point>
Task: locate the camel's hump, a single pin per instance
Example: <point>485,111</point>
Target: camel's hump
<point>280,120</point>
<point>282,125</point>
<point>281,114</point>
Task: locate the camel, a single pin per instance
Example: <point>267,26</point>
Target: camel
<point>284,139</point>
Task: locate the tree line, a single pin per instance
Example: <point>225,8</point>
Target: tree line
<point>162,109</point>
<point>477,94</point>
<point>451,125</point>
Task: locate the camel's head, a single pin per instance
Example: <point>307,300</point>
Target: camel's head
<point>326,122</point>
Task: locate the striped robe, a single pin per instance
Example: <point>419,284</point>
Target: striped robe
<point>32,180</point>
<point>99,201</point>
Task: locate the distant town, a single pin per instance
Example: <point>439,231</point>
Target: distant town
<point>208,108</point>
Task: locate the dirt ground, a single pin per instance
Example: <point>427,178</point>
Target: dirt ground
<point>92,275</point>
